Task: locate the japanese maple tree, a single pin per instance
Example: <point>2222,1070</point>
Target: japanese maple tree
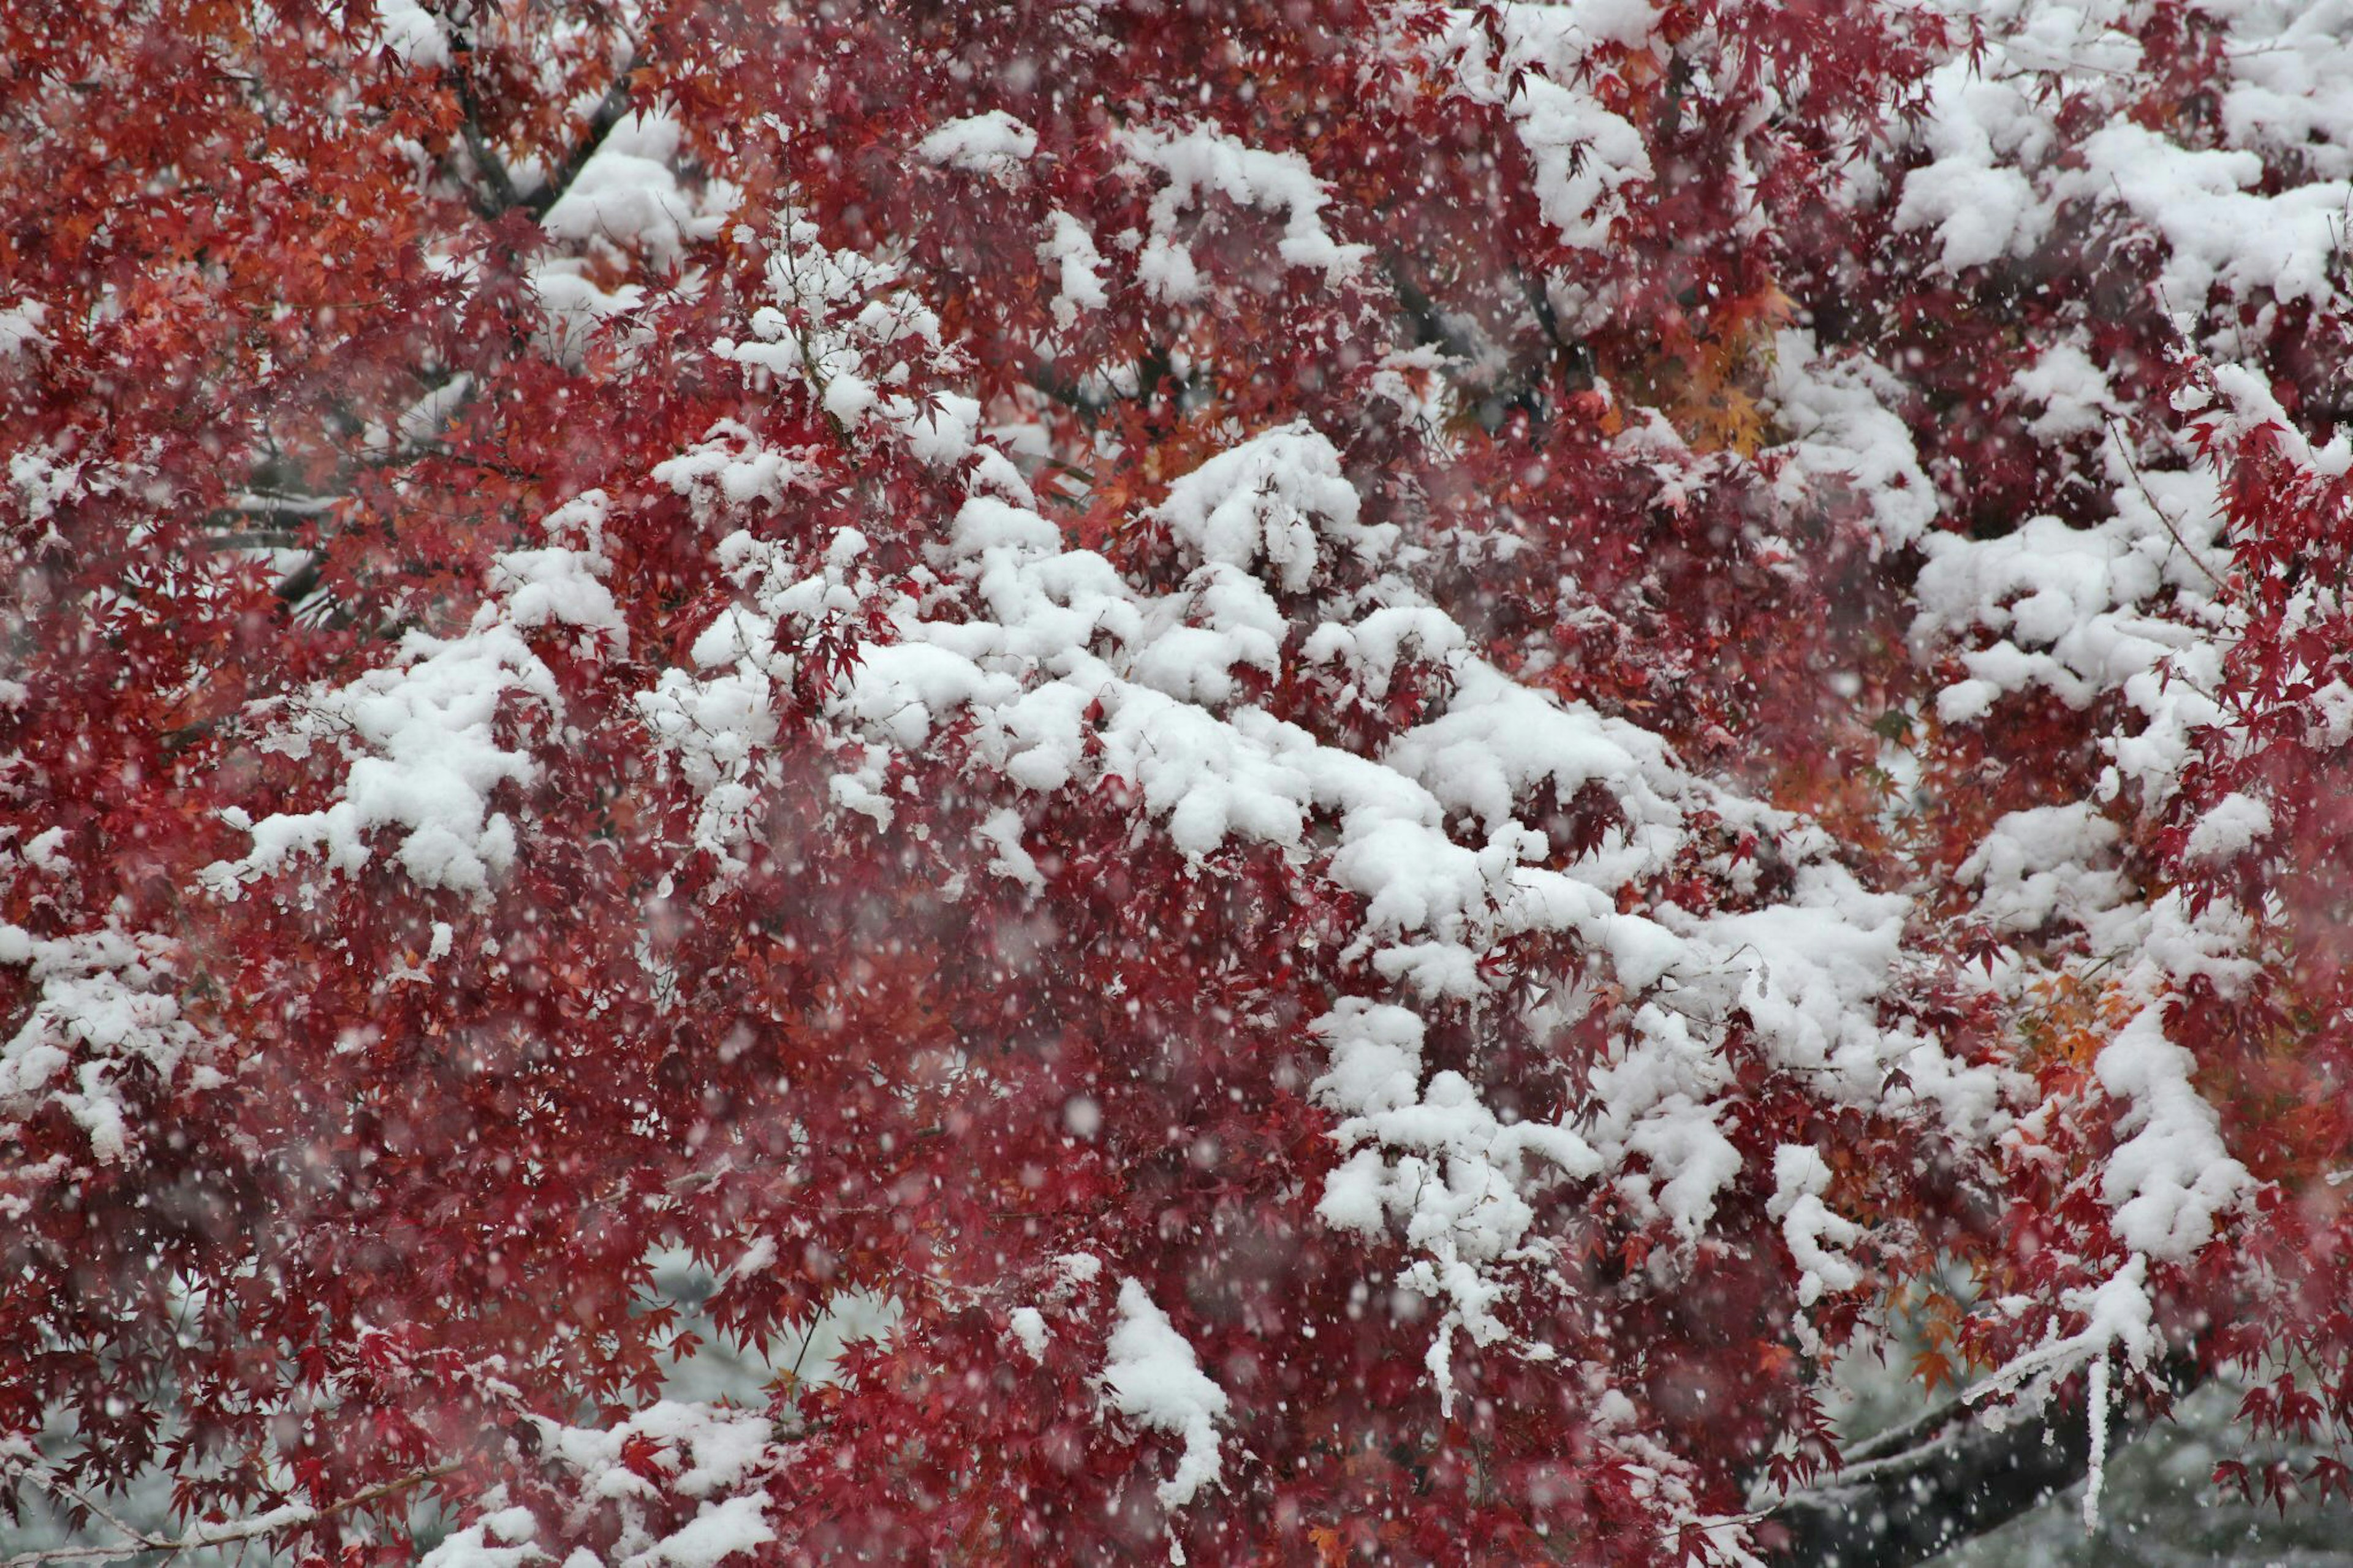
<point>1403,767</point>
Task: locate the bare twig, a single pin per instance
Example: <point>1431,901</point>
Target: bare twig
<point>2142,485</point>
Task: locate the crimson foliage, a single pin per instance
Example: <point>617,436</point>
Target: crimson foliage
<point>1395,764</point>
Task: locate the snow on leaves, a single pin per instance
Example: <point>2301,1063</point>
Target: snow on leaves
<point>429,756</point>
<point>1197,164</point>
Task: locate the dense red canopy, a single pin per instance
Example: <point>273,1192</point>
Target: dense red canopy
<point>1383,768</point>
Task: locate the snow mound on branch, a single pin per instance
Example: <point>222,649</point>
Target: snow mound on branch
<point>628,196</point>
<point>20,329</point>
<point>472,1546</point>
<point>2229,826</point>
<point>1071,249</point>
<point>626,209</point>
<point>1152,1377</point>
<point>990,143</point>
<point>2046,863</point>
<point>1844,437</point>
<point>413,34</point>
<point>1584,154</point>
<point>1814,1235</point>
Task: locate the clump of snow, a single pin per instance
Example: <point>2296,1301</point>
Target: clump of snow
<point>1371,648</point>
<point>733,1527</point>
<point>1268,500</point>
<point>2218,229</point>
<point>2332,706</point>
<point>993,144</point>
<point>626,207</point>
<point>2044,864</point>
<point>2171,1177</point>
<point>729,468</point>
<point>41,852</point>
<point>2229,826</point>
<point>45,479</point>
<point>1001,831</point>
<point>429,760</point>
<point>1029,1327</point>
<point>2073,393</point>
<point>628,196</point>
<point>20,329</point>
<point>1814,1235</point>
<point>413,34</point>
<point>501,1539</point>
<point>2070,609</point>
<point>1584,154</point>
<point>1152,1377</point>
<point>1069,249</point>
<point>1981,206</point>
<point>1843,437</point>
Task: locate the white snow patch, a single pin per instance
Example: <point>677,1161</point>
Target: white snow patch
<point>994,143</point>
<point>2230,825</point>
<point>1153,1378</point>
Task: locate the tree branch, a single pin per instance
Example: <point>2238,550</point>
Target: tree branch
<point>1923,1488</point>
<point>491,167</point>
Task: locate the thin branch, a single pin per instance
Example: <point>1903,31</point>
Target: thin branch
<point>1430,323</point>
<point>293,1517</point>
<point>2134,469</point>
<point>255,539</point>
<point>59,1488</point>
<point>299,583</point>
